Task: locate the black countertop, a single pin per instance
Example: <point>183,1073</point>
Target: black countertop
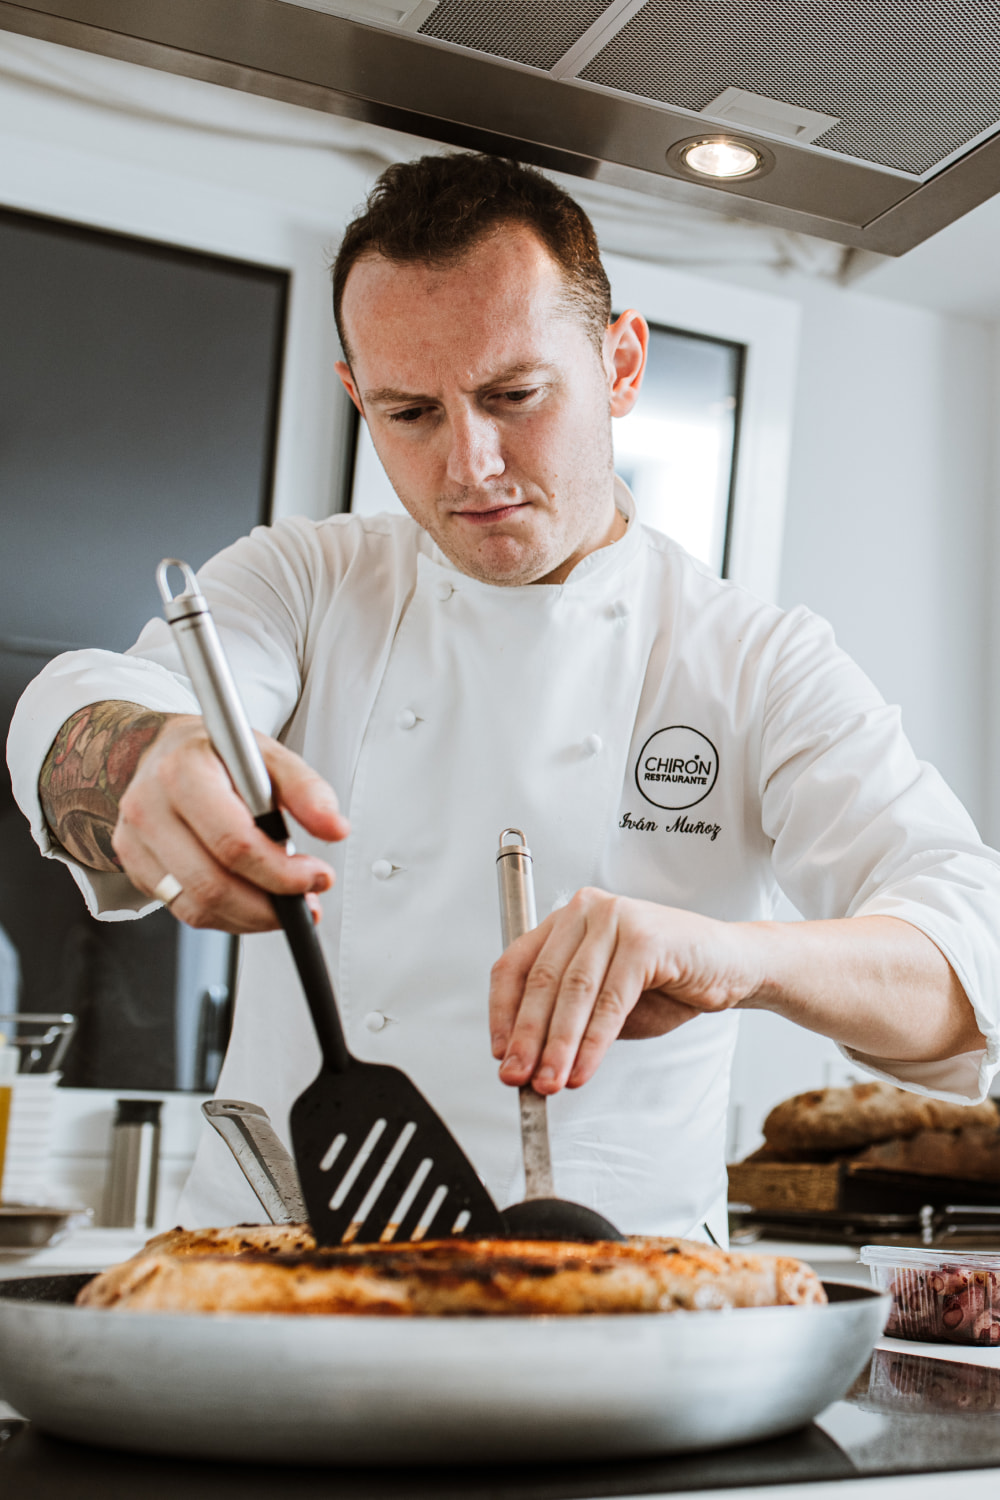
<point>905,1414</point>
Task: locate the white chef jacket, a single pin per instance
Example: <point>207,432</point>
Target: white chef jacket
<point>654,730</point>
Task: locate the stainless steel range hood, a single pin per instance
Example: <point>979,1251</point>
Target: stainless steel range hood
<point>882,118</point>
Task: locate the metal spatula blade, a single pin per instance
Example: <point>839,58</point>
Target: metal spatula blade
<point>260,1155</point>
<point>374,1159</point>
<point>541,1215</point>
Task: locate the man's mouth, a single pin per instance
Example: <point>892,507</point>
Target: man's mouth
<point>487,515</point>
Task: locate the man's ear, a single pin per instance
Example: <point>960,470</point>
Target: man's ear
<point>347,381</point>
<point>626,341</point>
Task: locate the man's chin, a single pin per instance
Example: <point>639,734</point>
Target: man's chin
<point>504,562</point>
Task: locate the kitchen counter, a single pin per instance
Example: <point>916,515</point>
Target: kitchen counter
<point>857,1449</point>
<point>928,1414</point>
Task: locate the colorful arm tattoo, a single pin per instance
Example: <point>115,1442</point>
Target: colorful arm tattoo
<point>91,762</point>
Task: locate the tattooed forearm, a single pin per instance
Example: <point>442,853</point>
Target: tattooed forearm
<point>91,762</point>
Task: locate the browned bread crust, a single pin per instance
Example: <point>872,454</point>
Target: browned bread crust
<point>844,1119</point>
<point>449,1278</point>
<point>269,1239</point>
<point>970,1154</point>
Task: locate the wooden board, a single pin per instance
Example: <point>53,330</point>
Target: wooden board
<point>808,1187</point>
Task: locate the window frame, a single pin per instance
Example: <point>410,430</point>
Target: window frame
<point>767,327</point>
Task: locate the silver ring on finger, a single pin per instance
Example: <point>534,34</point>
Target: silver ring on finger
<point>168,889</point>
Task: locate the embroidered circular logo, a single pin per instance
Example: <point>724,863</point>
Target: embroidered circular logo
<point>677,767</point>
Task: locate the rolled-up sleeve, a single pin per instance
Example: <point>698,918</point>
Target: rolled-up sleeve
<point>65,685</point>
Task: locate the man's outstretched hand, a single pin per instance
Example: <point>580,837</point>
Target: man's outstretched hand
<point>605,967</point>
<point>124,788</point>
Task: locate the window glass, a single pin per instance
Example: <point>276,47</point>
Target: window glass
<point>676,450</point>
<point>139,385</point>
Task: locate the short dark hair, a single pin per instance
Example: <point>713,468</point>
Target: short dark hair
<point>436,208</point>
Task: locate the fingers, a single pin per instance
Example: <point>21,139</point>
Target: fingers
<point>181,815</point>
<point>655,1014</point>
<point>562,994</point>
<point>209,895</point>
<point>507,983</point>
<point>311,801</point>
<point>602,968</point>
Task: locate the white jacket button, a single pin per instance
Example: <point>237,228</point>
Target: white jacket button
<point>382,869</point>
<point>619,610</point>
<point>593,744</point>
<point>443,589</point>
<point>375,1020</point>
<point>406,718</point>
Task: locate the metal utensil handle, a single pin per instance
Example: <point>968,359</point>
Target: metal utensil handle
<point>261,1156</point>
<point>517,916</point>
<point>229,729</point>
<point>214,687</point>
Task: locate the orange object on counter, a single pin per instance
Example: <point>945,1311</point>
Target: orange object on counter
<point>6,1093</point>
<point>9,1059</point>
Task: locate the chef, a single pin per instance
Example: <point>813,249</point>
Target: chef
<point>519,651</point>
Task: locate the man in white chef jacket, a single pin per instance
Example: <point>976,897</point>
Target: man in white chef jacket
<point>519,651</point>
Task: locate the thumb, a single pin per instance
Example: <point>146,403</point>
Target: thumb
<point>301,791</point>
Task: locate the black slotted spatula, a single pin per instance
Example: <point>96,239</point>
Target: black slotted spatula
<point>375,1161</point>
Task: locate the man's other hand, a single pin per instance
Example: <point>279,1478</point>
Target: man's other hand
<point>601,968</point>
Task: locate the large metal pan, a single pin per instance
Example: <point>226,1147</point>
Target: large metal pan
<point>426,1390</point>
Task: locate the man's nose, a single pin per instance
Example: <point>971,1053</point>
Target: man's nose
<point>474,453</point>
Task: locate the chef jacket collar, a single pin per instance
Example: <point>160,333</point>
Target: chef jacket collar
<point>597,567</point>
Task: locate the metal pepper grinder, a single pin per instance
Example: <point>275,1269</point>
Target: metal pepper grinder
<point>133,1166</point>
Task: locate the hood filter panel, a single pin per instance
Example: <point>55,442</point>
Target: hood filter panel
<point>910,84</point>
<point>521,31</point>
<point>605,89</point>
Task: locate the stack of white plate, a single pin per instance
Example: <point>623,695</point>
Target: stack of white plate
<point>29,1137</point>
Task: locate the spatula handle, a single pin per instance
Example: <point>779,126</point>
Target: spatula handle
<point>517,916</point>
<point>233,739</point>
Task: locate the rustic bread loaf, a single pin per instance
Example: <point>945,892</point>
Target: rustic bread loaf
<point>973,1154</point>
<point>847,1118</point>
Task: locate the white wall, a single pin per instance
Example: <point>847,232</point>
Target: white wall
<point>889,509</point>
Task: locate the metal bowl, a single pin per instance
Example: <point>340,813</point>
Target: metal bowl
<point>27,1227</point>
<point>426,1390</point>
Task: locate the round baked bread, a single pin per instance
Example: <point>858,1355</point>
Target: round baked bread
<point>447,1278</point>
<point>844,1119</point>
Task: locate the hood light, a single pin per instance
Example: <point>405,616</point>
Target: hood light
<point>723,158</point>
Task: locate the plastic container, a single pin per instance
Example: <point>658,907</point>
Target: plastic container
<point>920,1385</point>
<point>938,1296</point>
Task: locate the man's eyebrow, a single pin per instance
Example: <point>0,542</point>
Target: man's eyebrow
<point>387,395</point>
